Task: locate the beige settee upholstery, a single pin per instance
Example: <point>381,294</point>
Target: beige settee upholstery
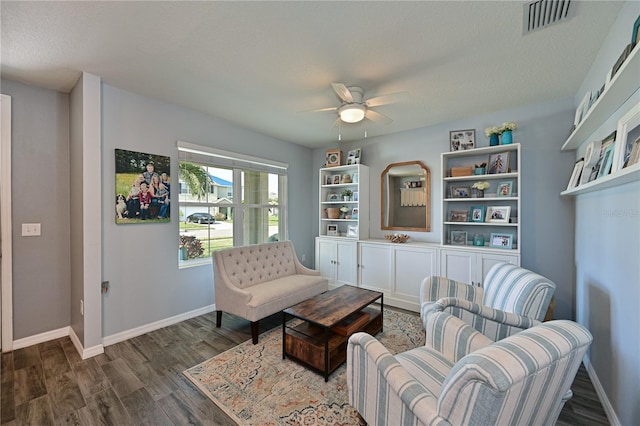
<point>256,281</point>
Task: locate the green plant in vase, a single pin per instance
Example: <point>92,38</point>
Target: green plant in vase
<point>480,187</point>
<point>346,194</point>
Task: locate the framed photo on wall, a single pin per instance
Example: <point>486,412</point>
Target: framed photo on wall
<point>138,175</point>
<point>461,140</point>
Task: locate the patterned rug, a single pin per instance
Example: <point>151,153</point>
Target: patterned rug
<point>255,386</point>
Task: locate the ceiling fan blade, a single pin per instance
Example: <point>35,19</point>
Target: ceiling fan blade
<point>378,117</point>
<point>387,99</point>
<point>323,109</point>
<point>343,92</point>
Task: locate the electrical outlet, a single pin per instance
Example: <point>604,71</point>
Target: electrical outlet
<point>30,229</point>
<point>81,307</point>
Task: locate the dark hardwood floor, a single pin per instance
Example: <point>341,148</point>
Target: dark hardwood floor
<point>140,381</point>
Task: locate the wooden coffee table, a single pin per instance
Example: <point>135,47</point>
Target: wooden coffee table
<point>320,341</point>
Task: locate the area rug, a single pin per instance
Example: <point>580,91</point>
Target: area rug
<point>255,386</point>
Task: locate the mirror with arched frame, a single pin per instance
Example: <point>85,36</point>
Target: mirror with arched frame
<point>406,196</point>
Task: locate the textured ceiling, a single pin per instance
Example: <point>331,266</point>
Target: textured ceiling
<point>261,65</point>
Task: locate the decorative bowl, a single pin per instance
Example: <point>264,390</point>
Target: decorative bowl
<point>397,238</point>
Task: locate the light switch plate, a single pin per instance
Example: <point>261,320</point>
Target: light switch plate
<point>30,229</point>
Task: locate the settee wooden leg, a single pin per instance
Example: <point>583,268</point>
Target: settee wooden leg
<point>254,331</point>
<point>218,319</point>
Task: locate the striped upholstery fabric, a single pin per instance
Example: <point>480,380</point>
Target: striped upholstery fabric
<point>434,288</point>
<point>522,379</point>
<point>513,299</point>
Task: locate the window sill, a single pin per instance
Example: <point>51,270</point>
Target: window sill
<point>183,264</point>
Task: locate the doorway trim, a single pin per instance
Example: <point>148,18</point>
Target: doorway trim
<point>6,225</point>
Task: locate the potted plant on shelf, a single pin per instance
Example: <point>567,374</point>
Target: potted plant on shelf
<point>480,187</point>
<point>492,133</point>
<point>346,194</point>
<point>480,169</point>
<point>506,130</point>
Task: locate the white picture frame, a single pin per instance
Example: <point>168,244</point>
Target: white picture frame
<point>627,137</point>
<point>576,174</point>
<point>498,214</point>
<point>352,231</point>
<point>332,229</point>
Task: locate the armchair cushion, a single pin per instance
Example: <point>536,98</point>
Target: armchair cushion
<point>434,288</point>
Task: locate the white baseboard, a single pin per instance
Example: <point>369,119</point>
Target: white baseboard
<point>41,338</point>
<point>84,353</point>
<point>138,331</point>
<point>606,404</point>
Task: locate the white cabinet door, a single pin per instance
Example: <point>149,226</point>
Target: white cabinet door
<point>325,258</point>
<point>485,262</point>
<point>346,253</point>
<point>411,267</point>
<point>458,265</point>
<point>375,266</point>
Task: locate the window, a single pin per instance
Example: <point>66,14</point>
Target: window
<point>228,200</point>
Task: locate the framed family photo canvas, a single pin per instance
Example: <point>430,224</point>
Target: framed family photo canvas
<point>143,187</point>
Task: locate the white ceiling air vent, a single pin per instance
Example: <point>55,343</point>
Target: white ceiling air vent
<point>542,13</point>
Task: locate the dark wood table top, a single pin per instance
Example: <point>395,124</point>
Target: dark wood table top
<point>329,308</point>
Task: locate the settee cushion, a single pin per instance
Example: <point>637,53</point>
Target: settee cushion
<point>281,293</point>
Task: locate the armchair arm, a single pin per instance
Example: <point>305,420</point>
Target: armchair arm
<point>381,389</point>
<point>453,337</point>
<point>301,269</point>
<point>493,323</point>
<point>434,288</point>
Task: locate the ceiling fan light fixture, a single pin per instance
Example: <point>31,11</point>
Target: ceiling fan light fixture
<point>351,113</point>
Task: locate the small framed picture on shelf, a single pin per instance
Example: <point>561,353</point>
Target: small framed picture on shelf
<point>499,163</point>
<point>628,133</point>
<point>353,157</point>
<point>607,160</point>
<point>332,229</point>
<point>476,213</point>
<point>355,196</point>
<point>459,216</point>
<point>575,175</point>
<point>333,157</point>
<point>459,191</point>
<point>461,140</point>
<point>459,238</point>
<point>352,231</point>
<point>354,213</point>
<point>503,241</point>
<point>606,144</point>
<point>498,214</point>
<point>504,189</point>
<point>335,180</point>
<point>333,196</point>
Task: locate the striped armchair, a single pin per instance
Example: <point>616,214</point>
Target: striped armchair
<point>461,377</point>
<point>512,299</point>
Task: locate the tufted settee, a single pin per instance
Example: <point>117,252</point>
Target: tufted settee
<point>256,281</point>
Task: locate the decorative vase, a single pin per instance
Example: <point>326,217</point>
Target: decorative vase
<point>479,193</point>
<point>479,170</point>
<point>183,254</point>
<point>478,240</point>
<point>346,198</point>
<point>507,137</point>
<point>493,140</point>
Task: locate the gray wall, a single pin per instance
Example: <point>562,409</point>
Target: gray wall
<point>607,251</point>
<point>547,220</point>
<point>141,261</point>
<point>40,192</point>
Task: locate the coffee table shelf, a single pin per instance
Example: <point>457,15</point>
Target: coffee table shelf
<point>322,344</point>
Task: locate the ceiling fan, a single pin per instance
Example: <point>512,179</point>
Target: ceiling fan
<point>354,109</point>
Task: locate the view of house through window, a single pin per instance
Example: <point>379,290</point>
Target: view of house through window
<point>223,205</point>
